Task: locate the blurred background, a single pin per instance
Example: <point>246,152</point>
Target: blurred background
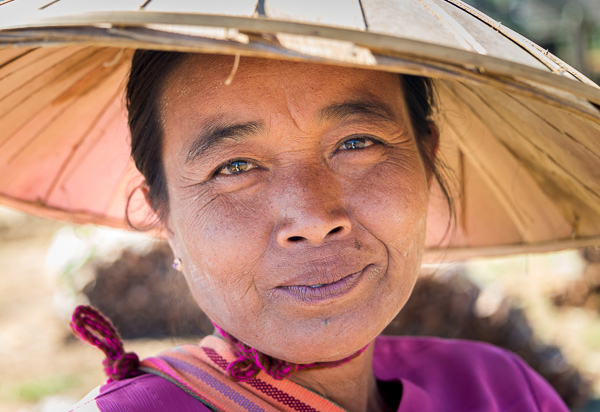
<point>569,29</point>
<point>546,308</point>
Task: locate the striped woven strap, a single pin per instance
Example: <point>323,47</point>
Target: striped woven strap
<point>200,370</point>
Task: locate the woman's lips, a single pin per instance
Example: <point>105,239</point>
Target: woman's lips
<point>323,291</point>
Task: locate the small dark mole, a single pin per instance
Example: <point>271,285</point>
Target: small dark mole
<point>357,244</point>
<point>325,322</point>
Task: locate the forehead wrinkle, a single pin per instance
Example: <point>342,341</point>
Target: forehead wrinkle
<point>215,133</point>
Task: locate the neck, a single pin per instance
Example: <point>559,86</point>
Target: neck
<point>352,385</point>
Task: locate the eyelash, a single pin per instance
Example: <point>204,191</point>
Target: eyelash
<point>366,140</point>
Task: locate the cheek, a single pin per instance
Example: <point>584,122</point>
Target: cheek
<point>222,242</point>
<point>391,202</point>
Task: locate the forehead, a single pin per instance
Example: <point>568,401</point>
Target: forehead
<point>198,85</point>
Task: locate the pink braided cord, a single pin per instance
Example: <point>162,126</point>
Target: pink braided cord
<point>250,362</point>
<point>91,326</point>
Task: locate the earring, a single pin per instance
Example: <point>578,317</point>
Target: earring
<point>177,264</point>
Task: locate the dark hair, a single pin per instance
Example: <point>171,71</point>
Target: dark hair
<point>150,69</point>
<point>419,95</point>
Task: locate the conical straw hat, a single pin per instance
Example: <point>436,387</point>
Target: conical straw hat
<point>520,129</point>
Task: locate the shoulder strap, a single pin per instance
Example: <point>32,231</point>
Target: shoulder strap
<point>200,370</point>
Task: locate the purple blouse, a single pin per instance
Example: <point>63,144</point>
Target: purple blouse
<point>436,375</point>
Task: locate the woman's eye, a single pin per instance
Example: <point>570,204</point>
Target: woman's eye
<point>236,167</point>
<point>356,143</point>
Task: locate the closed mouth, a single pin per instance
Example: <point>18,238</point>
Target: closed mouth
<point>323,291</point>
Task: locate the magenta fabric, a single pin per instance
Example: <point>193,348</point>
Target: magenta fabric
<point>147,393</point>
<point>437,375</point>
<point>454,375</point>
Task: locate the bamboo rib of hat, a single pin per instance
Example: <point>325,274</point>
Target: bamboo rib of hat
<point>520,129</point>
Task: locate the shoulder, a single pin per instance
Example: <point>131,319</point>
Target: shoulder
<point>417,352</point>
<point>414,356</point>
<point>148,393</point>
<point>408,350</point>
<point>448,368</point>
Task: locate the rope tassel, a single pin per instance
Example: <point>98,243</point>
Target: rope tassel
<point>91,326</point>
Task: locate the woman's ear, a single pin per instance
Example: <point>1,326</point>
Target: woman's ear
<point>162,222</point>
<point>177,261</point>
<point>146,192</point>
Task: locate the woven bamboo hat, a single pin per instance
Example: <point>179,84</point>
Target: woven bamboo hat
<point>520,129</point>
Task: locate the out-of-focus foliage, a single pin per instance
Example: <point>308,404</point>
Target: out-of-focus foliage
<point>568,28</point>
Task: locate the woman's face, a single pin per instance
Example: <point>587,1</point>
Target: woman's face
<point>297,201</point>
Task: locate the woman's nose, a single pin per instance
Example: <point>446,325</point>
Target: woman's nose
<point>311,211</point>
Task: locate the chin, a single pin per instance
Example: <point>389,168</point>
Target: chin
<point>330,338</point>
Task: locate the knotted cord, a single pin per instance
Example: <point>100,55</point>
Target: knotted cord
<point>91,326</point>
<point>250,361</point>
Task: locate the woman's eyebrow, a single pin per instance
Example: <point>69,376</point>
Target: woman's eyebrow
<point>214,134</point>
<point>366,109</point>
